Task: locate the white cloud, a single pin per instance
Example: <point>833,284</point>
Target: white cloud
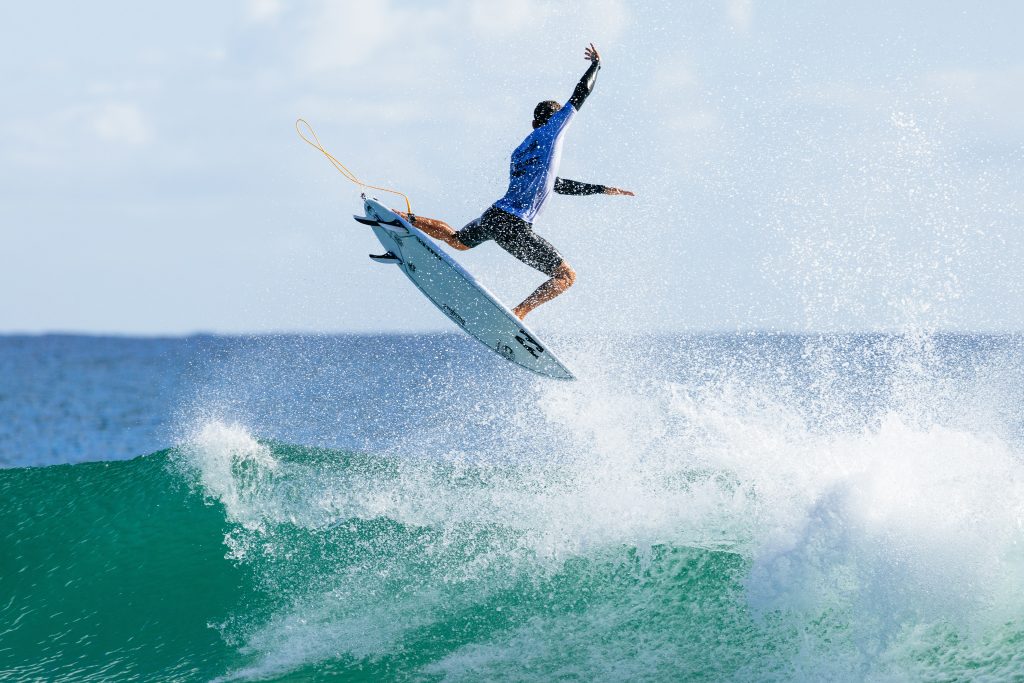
<point>694,121</point>
<point>120,122</point>
<point>741,14</point>
<point>965,85</point>
<point>346,34</point>
<point>849,96</point>
<point>350,33</point>
<point>102,89</point>
<point>261,11</point>
<point>992,99</point>
<point>47,141</point>
<point>678,87</point>
<point>995,94</point>
<point>216,54</point>
<point>602,21</point>
<point>678,76</point>
<point>502,18</point>
<point>607,19</point>
<point>327,110</point>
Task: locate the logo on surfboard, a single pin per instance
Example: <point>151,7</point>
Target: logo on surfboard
<point>505,350</point>
<point>453,314</point>
<point>529,343</point>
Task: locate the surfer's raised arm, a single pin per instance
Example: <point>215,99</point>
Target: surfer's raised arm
<point>586,84</point>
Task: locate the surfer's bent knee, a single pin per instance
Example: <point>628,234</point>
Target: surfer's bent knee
<point>565,273</point>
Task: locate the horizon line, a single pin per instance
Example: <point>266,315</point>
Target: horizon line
<point>454,332</point>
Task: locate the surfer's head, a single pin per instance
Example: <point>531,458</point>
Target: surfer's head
<point>543,111</point>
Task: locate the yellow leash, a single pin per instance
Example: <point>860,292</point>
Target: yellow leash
<point>342,169</point>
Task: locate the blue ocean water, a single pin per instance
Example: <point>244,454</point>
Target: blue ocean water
<point>698,507</point>
<point>67,398</point>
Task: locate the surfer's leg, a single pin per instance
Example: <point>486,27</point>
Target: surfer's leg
<point>561,279</point>
<point>518,238</point>
<point>439,230</point>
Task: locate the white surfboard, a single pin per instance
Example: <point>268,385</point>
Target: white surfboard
<point>457,294</point>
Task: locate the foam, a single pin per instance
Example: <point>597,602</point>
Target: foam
<point>865,526</point>
<point>233,468</point>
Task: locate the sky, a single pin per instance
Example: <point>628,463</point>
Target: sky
<point>798,166</point>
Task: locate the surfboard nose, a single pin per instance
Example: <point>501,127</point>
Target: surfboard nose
<point>383,216</point>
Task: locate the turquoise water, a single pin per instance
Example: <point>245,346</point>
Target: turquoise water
<point>699,508</point>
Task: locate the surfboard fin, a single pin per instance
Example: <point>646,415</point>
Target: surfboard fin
<point>386,257</point>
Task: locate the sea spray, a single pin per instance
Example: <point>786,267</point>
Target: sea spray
<point>836,472</point>
<point>753,507</point>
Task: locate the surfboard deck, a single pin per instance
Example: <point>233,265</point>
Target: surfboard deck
<point>457,294</point>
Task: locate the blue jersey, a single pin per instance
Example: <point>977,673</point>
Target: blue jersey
<point>535,165</point>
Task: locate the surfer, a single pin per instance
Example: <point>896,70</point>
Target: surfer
<point>532,178</point>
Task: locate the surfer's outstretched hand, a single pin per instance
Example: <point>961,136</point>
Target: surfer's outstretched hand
<point>615,190</point>
<point>590,53</point>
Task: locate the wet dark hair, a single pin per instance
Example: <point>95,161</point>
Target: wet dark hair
<point>543,111</point>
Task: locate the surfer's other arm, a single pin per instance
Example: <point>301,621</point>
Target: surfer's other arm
<point>575,187</point>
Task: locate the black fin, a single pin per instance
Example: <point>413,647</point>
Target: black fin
<point>387,257</point>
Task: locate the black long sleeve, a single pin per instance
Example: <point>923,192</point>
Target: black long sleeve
<point>566,186</point>
<point>585,86</point>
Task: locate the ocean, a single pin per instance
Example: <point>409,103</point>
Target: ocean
<point>732,507</point>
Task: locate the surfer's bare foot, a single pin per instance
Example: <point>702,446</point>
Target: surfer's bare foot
<point>561,280</point>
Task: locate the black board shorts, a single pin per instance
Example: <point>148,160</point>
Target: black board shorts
<point>515,236</point>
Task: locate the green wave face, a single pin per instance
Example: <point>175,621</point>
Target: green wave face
<point>271,562</point>
<point>113,570</point>
<point>233,559</point>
